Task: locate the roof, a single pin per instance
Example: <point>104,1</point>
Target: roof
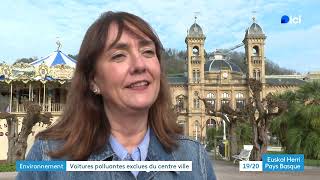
<point>55,58</point>
<point>284,81</point>
<point>255,30</point>
<point>177,79</point>
<point>195,31</point>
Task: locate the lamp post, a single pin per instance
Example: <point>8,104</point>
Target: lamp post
<point>225,141</point>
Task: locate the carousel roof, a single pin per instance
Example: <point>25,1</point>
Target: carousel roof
<point>55,67</point>
<point>55,58</point>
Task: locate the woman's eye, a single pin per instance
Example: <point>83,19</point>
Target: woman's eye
<point>149,53</point>
<point>118,56</point>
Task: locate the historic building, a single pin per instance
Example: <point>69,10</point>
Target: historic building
<point>46,82</point>
<point>220,81</point>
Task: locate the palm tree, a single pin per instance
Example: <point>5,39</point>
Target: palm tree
<point>299,128</point>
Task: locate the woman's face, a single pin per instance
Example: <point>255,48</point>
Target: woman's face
<point>128,73</point>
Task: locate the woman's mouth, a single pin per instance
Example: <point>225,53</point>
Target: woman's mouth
<point>138,85</point>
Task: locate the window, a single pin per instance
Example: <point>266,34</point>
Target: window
<point>196,103</point>
<point>225,98</point>
<point>180,102</point>
<point>258,75</point>
<point>225,95</point>
<point>210,123</point>
<point>211,99</point>
<point>195,50</point>
<point>255,51</point>
<point>240,102</point>
<point>196,75</point>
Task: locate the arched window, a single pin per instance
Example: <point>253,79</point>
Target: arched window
<point>195,51</point>
<point>225,95</point>
<point>258,74</point>
<point>240,101</point>
<point>254,74</point>
<point>211,99</point>
<point>210,123</point>
<point>180,102</point>
<point>225,98</point>
<point>255,51</point>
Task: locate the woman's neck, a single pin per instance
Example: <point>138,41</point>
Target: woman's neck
<point>128,129</point>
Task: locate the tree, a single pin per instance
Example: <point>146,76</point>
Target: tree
<point>244,132</point>
<point>301,123</point>
<point>260,112</point>
<point>75,57</point>
<point>26,60</point>
<point>212,134</point>
<point>231,117</point>
<point>17,142</point>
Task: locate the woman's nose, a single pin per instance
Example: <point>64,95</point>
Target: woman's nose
<point>138,64</point>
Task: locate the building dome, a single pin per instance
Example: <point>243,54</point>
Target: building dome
<point>255,31</point>
<point>195,31</point>
<point>216,65</point>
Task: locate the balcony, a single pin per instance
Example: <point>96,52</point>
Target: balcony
<point>256,59</point>
<point>195,60</point>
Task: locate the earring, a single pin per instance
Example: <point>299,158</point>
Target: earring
<point>96,90</point>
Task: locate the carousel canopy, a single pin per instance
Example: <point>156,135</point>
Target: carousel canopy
<point>55,58</point>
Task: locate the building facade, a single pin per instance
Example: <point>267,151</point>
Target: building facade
<point>220,81</point>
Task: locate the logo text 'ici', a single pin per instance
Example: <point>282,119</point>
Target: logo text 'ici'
<point>290,19</point>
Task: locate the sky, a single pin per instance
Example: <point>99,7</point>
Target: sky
<point>30,28</point>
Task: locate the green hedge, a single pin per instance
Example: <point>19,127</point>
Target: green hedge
<point>311,162</point>
<point>7,167</point>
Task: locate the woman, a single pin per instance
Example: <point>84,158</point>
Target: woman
<point>119,108</point>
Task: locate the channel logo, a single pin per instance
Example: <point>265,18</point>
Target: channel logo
<point>290,19</point>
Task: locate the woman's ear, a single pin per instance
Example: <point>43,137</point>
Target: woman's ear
<point>94,87</point>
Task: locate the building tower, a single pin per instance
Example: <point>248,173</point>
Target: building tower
<point>254,41</point>
<point>195,61</point>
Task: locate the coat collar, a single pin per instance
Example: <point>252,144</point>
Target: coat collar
<point>156,152</point>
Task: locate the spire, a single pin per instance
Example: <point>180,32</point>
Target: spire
<point>196,16</point>
<point>58,44</point>
<point>254,16</point>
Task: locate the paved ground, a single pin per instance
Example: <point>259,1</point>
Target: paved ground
<point>7,175</point>
<point>228,171</point>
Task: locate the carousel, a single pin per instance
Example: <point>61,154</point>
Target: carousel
<point>44,81</point>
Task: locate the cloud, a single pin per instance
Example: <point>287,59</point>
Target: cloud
<point>31,27</point>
